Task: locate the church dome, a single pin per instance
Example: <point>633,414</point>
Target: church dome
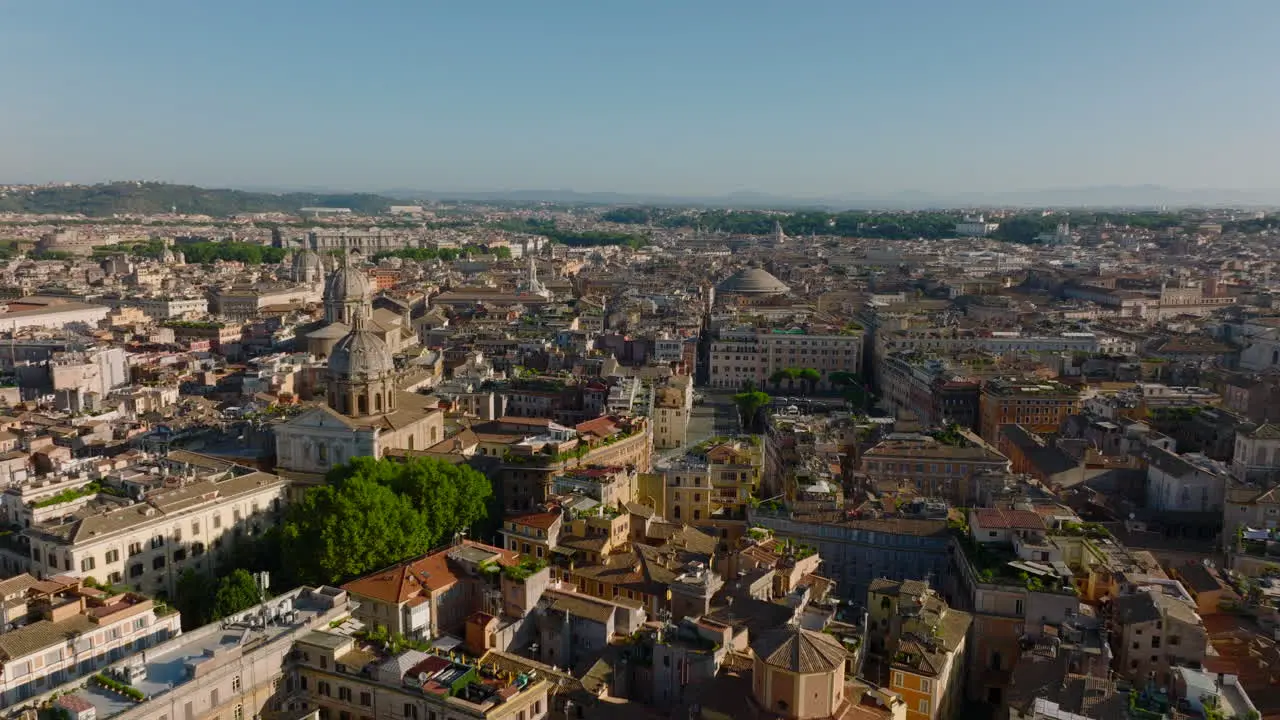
<point>796,650</point>
<point>361,354</point>
<point>307,264</point>
<point>753,281</point>
<point>347,284</point>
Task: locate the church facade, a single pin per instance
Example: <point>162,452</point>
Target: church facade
<point>365,413</point>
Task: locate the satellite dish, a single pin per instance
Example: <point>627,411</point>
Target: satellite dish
<point>422,678</point>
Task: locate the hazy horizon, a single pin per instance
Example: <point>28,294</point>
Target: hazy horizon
<point>821,100</point>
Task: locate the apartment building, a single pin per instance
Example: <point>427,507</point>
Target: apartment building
<point>147,545</point>
<point>741,355</point>
<point>168,308</point>
<point>1038,405</point>
<point>57,630</point>
<point>534,534</point>
<point>1154,632</point>
<point>429,595</point>
<point>936,469</point>
<point>922,642</point>
<point>333,675</point>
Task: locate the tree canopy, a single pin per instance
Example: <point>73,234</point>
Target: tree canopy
<point>203,251</point>
<point>749,405</point>
<point>201,599</point>
<point>374,513</point>
<point>589,238</point>
<point>445,254</point>
<point>236,592</point>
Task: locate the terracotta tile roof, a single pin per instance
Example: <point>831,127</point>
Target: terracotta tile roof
<point>401,583</point>
<point>603,426</point>
<point>542,520</point>
<point>798,650</point>
<point>1010,519</point>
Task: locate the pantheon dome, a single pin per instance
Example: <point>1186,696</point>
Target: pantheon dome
<point>752,281</point>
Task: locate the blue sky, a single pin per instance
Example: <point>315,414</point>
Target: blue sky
<point>799,97</point>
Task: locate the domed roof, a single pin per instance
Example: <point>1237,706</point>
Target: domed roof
<point>347,284</point>
<point>753,281</point>
<point>797,650</point>
<point>307,260</point>
<point>361,354</point>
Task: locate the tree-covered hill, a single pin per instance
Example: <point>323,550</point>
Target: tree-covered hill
<point>147,197</point>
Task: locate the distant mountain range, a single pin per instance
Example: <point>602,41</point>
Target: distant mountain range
<point>131,197</point>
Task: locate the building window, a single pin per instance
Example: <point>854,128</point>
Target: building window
<point>86,564</point>
<point>239,713</point>
<point>366,699</point>
<point>898,680</point>
<point>344,694</point>
<point>135,548</point>
<point>235,683</point>
<point>924,707</point>
<point>112,556</point>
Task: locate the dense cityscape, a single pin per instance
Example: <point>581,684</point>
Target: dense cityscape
<point>447,460</point>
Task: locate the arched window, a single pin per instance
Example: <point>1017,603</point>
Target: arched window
<point>676,513</point>
<point>697,514</point>
<point>377,403</point>
<point>410,442</point>
<point>363,404</point>
<point>885,604</point>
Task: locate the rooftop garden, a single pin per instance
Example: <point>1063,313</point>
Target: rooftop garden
<point>526,568</point>
<point>1091,530</point>
<point>119,687</point>
<point>991,564</point>
<point>392,643</point>
<point>950,435</point>
<point>71,494</point>
<point>194,324</point>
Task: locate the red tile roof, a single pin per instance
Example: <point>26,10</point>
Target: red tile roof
<point>1011,519</point>
<point>401,583</point>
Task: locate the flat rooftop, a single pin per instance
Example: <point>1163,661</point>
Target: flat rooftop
<point>170,664</point>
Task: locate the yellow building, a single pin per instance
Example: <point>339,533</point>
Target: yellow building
<point>922,642</point>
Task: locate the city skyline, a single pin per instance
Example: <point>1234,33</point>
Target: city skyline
<point>840,100</point>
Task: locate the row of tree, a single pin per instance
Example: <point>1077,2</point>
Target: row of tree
<point>204,251</point>
<point>446,254</point>
<point>572,238</point>
<point>886,225</point>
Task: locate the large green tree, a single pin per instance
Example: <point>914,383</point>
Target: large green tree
<point>344,529</point>
<point>236,592</point>
<point>749,406</point>
<point>373,513</point>
<point>193,597</point>
<point>810,377</point>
